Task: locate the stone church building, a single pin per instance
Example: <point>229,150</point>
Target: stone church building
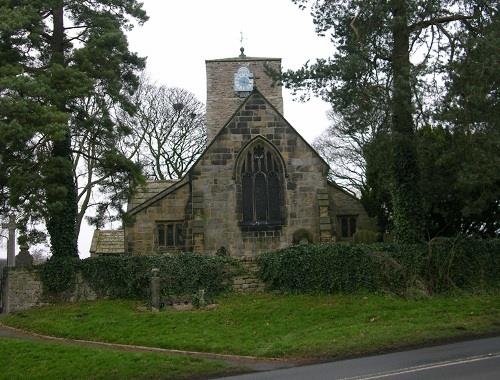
<point>258,185</point>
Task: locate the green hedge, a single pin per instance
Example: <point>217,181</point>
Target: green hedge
<point>440,266</point>
<point>129,276</point>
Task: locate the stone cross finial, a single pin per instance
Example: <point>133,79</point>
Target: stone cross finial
<point>242,49</point>
<point>24,259</point>
<point>11,243</point>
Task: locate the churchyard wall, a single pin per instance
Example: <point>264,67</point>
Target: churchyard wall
<point>22,289</point>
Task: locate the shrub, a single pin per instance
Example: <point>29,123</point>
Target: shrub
<point>462,263</point>
<point>129,276</point>
<point>440,266</point>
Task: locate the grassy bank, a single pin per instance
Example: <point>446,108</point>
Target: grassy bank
<point>275,325</point>
<point>37,360</point>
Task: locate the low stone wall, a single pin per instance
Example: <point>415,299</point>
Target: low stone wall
<point>248,282</point>
<point>22,289</point>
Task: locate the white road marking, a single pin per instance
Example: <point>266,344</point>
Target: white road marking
<point>424,367</point>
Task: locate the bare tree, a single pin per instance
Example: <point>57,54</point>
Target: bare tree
<point>169,131</point>
<point>345,148</point>
<point>104,174</point>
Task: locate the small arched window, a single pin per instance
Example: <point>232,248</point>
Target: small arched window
<point>261,186</point>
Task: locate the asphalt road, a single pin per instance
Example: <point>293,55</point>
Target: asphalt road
<point>476,359</point>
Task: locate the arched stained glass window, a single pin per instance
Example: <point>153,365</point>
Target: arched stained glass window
<point>261,185</point>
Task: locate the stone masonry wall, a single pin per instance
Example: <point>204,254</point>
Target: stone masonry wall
<point>342,203</point>
<point>249,281</point>
<point>222,101</point>
<point>22,289</point>
<point>140,235</point>
<point>214,177</point>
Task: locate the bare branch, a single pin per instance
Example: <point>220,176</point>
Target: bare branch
<point>439,20</point>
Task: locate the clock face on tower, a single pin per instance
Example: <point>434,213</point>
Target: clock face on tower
<point>243,80</point>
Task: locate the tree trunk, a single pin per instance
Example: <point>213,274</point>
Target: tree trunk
<point>407,201</point>
<point>61,187</point>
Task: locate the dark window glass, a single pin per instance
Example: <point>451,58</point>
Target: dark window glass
<point>260,197</point>
<point>170,234</point>
<point>179,234</point>
<point>261,187</point>
<point>161,234</point>
<point>344,226</point>
<point>347,225</point>
<point>274,198</point>
<point>247,189</point>
<point>352,225</point>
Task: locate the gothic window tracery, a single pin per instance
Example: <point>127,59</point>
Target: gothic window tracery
<point>261,182</point>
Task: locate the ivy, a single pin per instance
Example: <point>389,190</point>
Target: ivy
<point>442,265</point>
<point>58,274</point>
<point>129,276</point>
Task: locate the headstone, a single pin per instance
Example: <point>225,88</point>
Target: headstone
<point>11,243</point>
<point>24,259</point>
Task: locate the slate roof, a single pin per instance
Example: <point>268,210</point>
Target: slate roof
<point>149,190</point>
<point>108,242</point>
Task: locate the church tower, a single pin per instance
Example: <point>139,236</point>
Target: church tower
<point>230,81</point>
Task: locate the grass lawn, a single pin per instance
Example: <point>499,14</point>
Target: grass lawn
<point>275,325</point>
<point>37,360</point>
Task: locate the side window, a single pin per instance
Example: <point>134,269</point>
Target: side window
<point>170,234</point>
<point>347,225</point>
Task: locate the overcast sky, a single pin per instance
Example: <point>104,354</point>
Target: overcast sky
<point>181,35</point>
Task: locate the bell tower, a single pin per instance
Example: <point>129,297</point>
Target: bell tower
<point>231,80</point>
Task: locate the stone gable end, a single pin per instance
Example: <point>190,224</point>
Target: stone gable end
<point>215,178</point>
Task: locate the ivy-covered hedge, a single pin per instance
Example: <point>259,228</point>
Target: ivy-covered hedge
<point>129,276</point>
<point>440,266</point>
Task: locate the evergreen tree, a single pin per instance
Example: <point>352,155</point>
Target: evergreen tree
<point>388,55</point>
<point>54,54</point>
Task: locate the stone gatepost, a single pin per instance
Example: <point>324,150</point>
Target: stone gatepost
<point>155,289</point>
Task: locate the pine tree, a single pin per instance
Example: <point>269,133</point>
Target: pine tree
<point>372,81</point>
<point>54,54</point>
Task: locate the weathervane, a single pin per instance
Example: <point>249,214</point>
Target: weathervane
<point>242,49</point>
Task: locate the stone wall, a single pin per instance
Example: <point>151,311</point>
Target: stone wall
<point>248,282</point>
<point>140,234</point>
<point>343,203</point>
<point>215,178</point>
<point>22,289</point>
<point>222,101</point>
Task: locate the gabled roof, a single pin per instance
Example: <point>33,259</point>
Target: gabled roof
<point>147,191</point>
<point>108,242</point>
<point>242,105</point>
<point>156,197</point>
<point>342,189</point>
<point>183,180</point>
